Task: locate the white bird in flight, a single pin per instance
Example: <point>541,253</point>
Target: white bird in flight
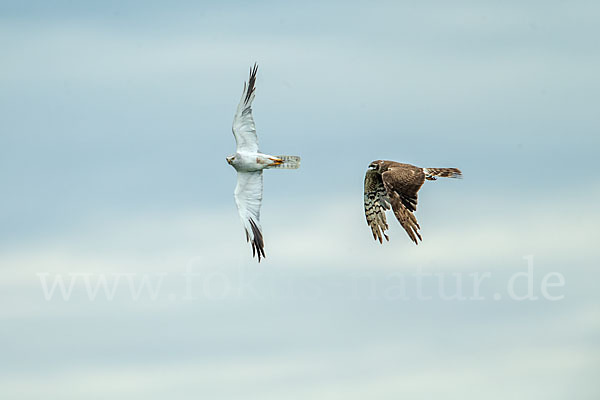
<point>249,163</point>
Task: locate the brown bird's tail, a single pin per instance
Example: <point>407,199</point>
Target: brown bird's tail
<point>433,173</point>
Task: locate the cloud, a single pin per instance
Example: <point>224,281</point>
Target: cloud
<point>330,234</point>
<point>117,119</point>
<point>467,367</point>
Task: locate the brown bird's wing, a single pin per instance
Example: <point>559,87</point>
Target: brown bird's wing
<point>375,205</point>
<point>402,182</point>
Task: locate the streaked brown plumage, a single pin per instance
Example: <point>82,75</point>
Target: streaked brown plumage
<point>389,183</point>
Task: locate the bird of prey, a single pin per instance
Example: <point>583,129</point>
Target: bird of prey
<point>249,163</point>
<point>392,183</point>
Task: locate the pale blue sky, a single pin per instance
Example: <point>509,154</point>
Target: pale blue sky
<point>115,126</point>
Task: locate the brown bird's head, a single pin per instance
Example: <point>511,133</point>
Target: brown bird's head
<point>377,166</point>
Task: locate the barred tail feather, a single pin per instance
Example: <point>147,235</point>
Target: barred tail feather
<point>433,173</point>
<point>289,162</point>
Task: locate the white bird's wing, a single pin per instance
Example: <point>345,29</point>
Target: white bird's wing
<point>243,128</point>
<point>248,197</point>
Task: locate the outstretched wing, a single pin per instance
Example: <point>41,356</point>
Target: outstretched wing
<point>406,218</point>
<point>375,205</point>
<point>402,182</point>
<point>248,197</point>
<point>243,128</point>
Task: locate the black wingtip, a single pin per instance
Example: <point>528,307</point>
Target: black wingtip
<point>258,244</point>
<point>251,82</point>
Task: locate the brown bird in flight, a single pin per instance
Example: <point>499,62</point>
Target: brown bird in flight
<point>396,184</point>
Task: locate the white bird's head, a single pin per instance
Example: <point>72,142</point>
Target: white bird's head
<point>230,160</point>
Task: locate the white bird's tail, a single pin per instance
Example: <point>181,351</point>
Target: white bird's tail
<point>289,162</point>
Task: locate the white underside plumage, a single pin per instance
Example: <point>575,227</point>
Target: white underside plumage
<point>247,161</point>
